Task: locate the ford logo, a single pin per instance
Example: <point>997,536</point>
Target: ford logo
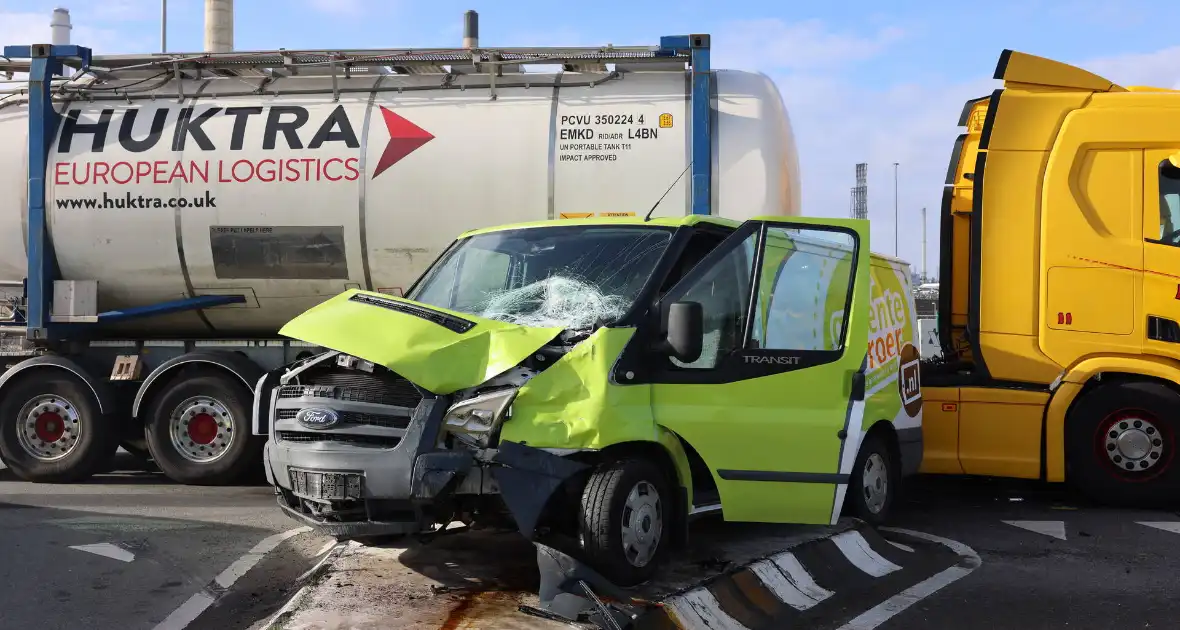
<point>313,418</point>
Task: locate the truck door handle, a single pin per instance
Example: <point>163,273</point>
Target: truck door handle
<point>858,385</point>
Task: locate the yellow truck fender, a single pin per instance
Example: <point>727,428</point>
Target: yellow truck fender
<point>1070,384</point>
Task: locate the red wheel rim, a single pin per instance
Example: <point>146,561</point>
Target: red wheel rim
<point>1134,445</point>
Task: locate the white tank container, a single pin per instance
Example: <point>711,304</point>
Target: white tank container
<point>291,199</point>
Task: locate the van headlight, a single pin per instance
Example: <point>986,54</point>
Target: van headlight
<point>474,420</point>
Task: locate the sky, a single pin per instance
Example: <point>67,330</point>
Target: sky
<point>863,81</point>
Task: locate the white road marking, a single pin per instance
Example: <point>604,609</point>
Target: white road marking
<point>1167,526</point>
<point>326,548</point>
<point>860,554</point>
<point>789,581</point>
<point>901,546</point>
<point>698,608</point>
<point>884,611</point>
<point>108,550</point>
<point>195,605</point>
<point>1053,529</point>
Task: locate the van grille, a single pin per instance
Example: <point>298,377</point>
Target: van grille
<point>303,437</point>
<point>356,386</point>
<point>353,418</point>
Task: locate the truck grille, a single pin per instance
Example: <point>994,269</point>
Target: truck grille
<point>355,419</point>
<point>304,437</point>
<point>356,386</point>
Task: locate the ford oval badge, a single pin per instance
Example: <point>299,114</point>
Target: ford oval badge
<point>315,418</point>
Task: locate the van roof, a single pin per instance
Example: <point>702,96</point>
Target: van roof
<point>681,221</point>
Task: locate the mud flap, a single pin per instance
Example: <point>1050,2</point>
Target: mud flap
<point>527,478</point>
<point>569,589</point>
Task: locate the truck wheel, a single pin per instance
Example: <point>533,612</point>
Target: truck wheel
<point>198,429</point>
<point>51,430</point>
<point>1121,444</point>
<point>874,482</point>
<point>625,519</point>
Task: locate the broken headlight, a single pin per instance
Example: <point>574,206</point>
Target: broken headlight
<point>474,420</point>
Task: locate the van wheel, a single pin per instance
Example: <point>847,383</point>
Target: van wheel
<point>51,430</point>
<point>1121,444</point>
<point>626,520</point>
<point>198,429</point>
<point>874,482</point>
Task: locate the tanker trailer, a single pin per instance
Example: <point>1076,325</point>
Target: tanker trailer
<point>186,206</point>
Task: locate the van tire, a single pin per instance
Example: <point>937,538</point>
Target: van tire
<point>876,463</point>
<point>1097,444</point>
<point>607,499</point>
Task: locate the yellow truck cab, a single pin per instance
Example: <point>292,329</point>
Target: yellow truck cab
<point>1060,287</point>
<point>605,380</point>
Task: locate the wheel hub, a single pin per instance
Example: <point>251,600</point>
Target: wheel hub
<point>1134,443</point>
<point>875,483</point>
<point>642,524</point>
<point>49,428</point>
<point>201,428</point>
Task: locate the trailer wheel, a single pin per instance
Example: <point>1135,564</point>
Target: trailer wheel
<point>51,429</point>
<point>1121,444</point>
<point>198,429</point>
<point>626,520</point>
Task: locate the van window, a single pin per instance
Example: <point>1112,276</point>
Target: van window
<point>803,292</point>
<point>723,293</point>
<point>1169,204</point>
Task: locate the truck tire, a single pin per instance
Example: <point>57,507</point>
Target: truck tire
<point>198,429</point>
<point>626,520</point>
<point>1121,444</point>
<point>875,481</point>
<point>51,429</point>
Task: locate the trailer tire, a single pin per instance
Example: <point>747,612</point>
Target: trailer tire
<point>52,431</point>
<point>635,491</point>
<point>198,429</point>
<point>1121,444</point>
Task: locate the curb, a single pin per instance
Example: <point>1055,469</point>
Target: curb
<point>305,583</point>
<point>818,583</point>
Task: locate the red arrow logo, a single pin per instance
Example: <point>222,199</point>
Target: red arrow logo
<point>404,138</point>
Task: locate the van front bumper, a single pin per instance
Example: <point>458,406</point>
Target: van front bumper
<point>349,483</point>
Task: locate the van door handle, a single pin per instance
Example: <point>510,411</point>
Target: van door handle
<point>858,385</point>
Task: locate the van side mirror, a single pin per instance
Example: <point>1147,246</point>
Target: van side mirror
<point>686,331</point>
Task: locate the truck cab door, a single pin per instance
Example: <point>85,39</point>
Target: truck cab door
<point>774,403</point>
<point>1161,249</point>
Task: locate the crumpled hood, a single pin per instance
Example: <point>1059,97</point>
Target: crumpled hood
<point>440,350</point>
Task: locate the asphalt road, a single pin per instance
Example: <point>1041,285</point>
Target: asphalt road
<point>128,549</point>
<point>1065,563</point>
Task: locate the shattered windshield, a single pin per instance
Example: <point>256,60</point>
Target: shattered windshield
<point>575,277</point>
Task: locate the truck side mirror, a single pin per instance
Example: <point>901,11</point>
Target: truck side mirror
<point>686,331</point>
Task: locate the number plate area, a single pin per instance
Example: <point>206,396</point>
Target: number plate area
<point>319,485</point>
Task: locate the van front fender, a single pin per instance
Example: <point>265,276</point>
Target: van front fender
<point>1070,384</point>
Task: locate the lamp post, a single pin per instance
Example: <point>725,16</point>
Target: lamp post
<point>163,26</point>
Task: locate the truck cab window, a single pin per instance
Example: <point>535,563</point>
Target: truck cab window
<point>1169,183</point>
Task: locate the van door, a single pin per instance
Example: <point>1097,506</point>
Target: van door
<point>774,403</point>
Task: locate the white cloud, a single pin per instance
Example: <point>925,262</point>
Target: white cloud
<point>336,7</point>
<point>807,45</point>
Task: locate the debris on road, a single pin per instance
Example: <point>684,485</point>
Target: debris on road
<point>759,575</point>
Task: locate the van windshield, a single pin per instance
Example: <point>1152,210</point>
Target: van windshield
<point>573,277</point>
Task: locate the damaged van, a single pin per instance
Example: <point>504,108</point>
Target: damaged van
<point>607,380</point>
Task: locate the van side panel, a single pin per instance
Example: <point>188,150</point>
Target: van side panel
<point>892,385</point>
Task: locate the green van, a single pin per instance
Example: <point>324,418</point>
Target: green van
<point>607,380</point>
